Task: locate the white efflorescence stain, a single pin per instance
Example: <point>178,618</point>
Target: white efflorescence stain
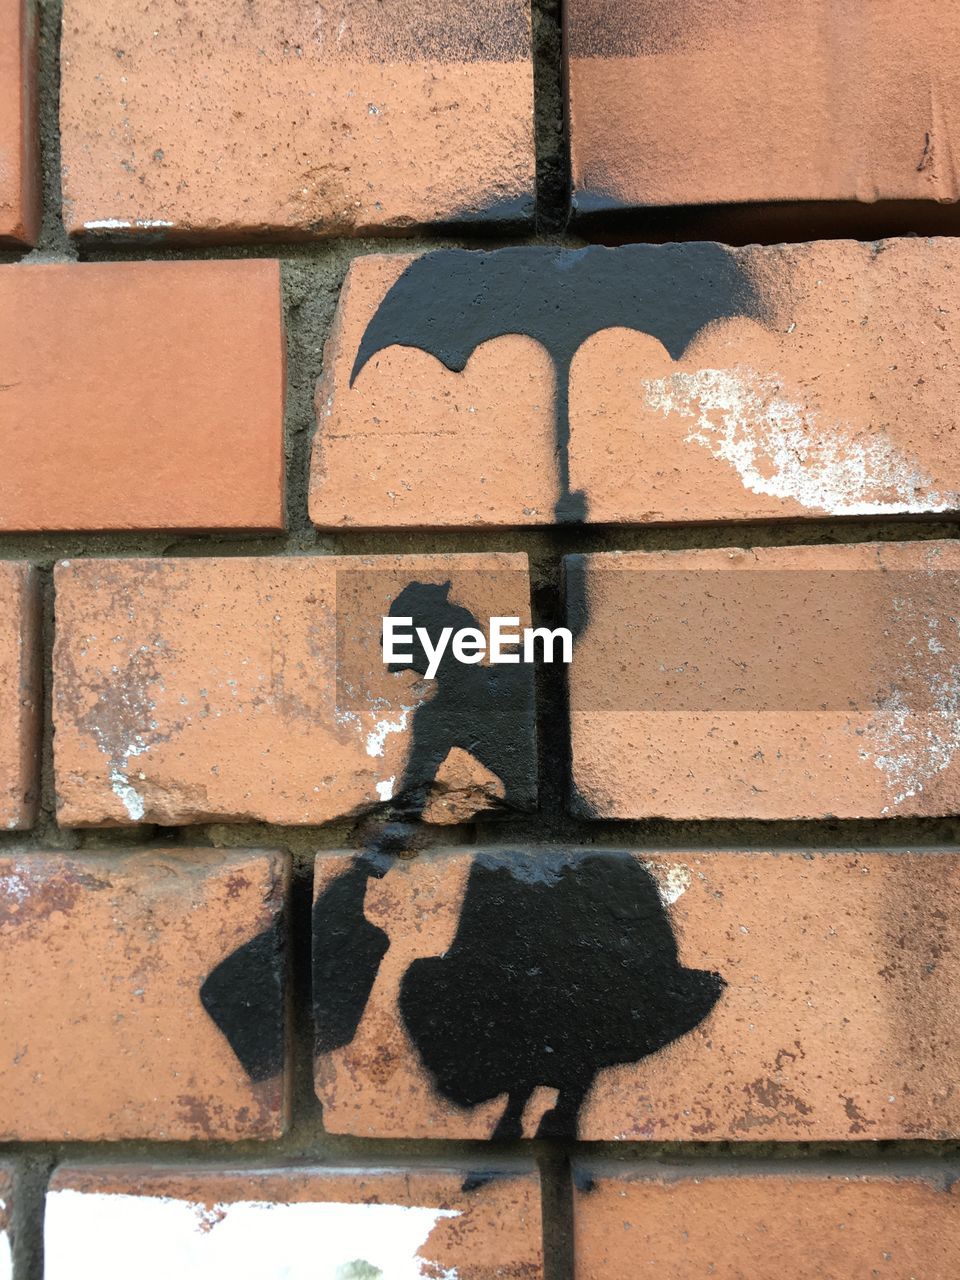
<point>376,732</point>
<point>14,887</point>
<point>910,745</point>
<point>122,787</point>
<point>6,1254</point>
<point>673,881</point>
<point>114,1237</point>
<point>781,449</point>
<point>376,740</point>
<point>125,224</point>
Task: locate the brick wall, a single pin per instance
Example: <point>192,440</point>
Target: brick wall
<point>313,314</point>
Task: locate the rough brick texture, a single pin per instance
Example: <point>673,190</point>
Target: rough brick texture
<point>682,1225</point>
<point>6,1221</point>
<point>794,682</point>
<point>117,1019</point>
<point>704,384</point>
<point>731,104</point>
<point>19,154</point>
<point>338,118</point>
<point>197,689</point>
<point>299,1224</point>
<point>141,395</point>
<point>837,1021</point>
<point>19,695</point>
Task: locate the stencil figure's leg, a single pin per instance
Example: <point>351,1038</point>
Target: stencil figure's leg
<point>510,1124</point>
<point>563,1120</point>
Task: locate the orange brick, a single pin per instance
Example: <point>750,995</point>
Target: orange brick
<point>19,694</point>
<point>728,104</point>
<point>797,682</point>
<point>685,1223</point>
<point>341,118</point>
<point>118,1019</point>
<point>19,152</point>
<point>459,978</point>
<point>255,689</point>
<point>684,381</point>
<point>141,395</point>
<point>295,1224</point>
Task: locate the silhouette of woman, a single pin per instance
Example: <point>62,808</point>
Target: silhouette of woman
<point>562,964</point>
<point>485,710</point>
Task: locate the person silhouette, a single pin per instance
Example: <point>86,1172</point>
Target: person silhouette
<point>563,962</point>
<point>484,710</point>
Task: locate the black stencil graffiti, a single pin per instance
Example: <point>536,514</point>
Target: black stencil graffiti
<point>485,710</point>
<point>450,301</point>
<point>244,997</point>
<point>562,964</point>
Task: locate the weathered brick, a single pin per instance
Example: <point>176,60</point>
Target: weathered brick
<point>117,1018</point>
<point>687,370</point>
<point>142,395</point>
<point>728,104</point>
<point>796,682</point>
<point>687,1223</point>
<point>6,1222</point>
<point>19,694</point>
<point>198,689</point>
<point>19,169</point>
<point>299,1224</point>
<point>339,118</point>
<point>554,970</point>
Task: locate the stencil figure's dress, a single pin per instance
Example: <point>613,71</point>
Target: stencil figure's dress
<point>561,965</point>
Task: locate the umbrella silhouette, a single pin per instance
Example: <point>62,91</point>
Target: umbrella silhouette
<point>562,964</point>
<point>450,301</point>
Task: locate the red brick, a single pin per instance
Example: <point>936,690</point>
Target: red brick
<point>19,694</point>
<point>296,1224</point>
<point>19,152</point>
<point>796,682</point>
<point>682,1224</point>
<point>340,118</point>
<point>838,1021</point>
<point>6,1220</point>
<point>102,961</point>
<point>671,419</point>
<point>255,689</point>
<point>727,104</point>
<point>141,395</point>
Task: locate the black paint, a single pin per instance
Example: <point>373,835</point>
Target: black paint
<point>413,31</point>
<point>347,950</point>
<point>562,964</point>
<point>500,214</point>
<point>244,997</point>
<point>450,301</point>
<point>485,710</point>
<point>631,29</point>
